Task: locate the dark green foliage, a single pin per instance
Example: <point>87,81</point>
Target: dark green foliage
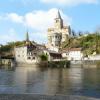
<point>10,46</point>
<point>44,57</point>
<point>60,64</point>
<point>89,42</point>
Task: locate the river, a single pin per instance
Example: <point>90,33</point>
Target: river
<point>66,81</point>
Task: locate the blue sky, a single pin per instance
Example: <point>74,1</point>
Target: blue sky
<point>18,16</point>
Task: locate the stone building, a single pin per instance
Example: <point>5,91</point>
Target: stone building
<point>72,53</point>
<point>27,53</point>
<point>59,33</point>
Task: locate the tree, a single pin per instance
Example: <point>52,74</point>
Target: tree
<point>79,33</point>
<point>44,57</point>
<point>73,33</point>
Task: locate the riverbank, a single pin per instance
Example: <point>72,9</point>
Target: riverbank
<point>42,97</point>
<point>59,64</point>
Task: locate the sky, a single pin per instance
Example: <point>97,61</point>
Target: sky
<point>35,16</point>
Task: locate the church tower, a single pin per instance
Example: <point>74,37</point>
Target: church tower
<point>58,21</point>
<point>59,33</point>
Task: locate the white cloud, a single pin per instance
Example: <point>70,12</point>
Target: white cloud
<point>38,37</point>
<point>41,20</point>
<point>15,17</point>
<point>70,2</point>
<point>10,36</point>
<point>38,20</point>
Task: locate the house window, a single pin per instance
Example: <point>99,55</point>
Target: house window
<point>34,53</point>
<point>29,58</point>
<point>33,58</point>
<point>30,53</point>
<point>18,55</point>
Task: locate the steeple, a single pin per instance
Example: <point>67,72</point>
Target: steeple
<point>58,15</point>
<point>58,21</point>
<point>27,41</point>
<point>27,36</point>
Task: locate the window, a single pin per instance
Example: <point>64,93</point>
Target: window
<point>34,53</point>
<point>18,55</point>
<point>57,21</point>
<point>29,58</point>
<point>33,58</point>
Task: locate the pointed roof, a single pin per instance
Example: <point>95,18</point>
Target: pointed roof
<point>27,36</point>
<point>58,15</point>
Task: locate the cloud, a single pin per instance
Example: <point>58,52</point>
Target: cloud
<point>15,17</point>
<point>10,36</point>
<point>70,2</point>
<point>38,20</point>
<point>41,20</point>
<point>38,38</point>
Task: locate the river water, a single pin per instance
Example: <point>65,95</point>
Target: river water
<point>66,81</point>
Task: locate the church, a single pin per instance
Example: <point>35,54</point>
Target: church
<point>58,34</point>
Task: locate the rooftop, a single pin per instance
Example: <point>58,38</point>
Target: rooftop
<point>71,49</point>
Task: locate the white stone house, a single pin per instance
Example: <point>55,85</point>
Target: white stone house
<point>73,54</point>
<point>94,57</point>
<point>26,54</point>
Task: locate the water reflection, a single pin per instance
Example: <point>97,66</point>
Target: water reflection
<point>74,81</point>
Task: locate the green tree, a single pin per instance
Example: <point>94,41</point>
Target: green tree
<point>44,57</point>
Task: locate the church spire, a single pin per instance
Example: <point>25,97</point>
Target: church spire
<point>58,21</point>
<point>27,36</point>
<point>58,15</point>
<point>27,41</point>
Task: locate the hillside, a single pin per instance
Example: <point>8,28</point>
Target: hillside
<point>90,43</point>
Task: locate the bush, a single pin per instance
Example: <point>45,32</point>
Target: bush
<point>44,57</point>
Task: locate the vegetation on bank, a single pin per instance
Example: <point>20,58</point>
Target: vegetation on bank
<point>60,64</point>
<point>8,49</point>
<point>90,43</point>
